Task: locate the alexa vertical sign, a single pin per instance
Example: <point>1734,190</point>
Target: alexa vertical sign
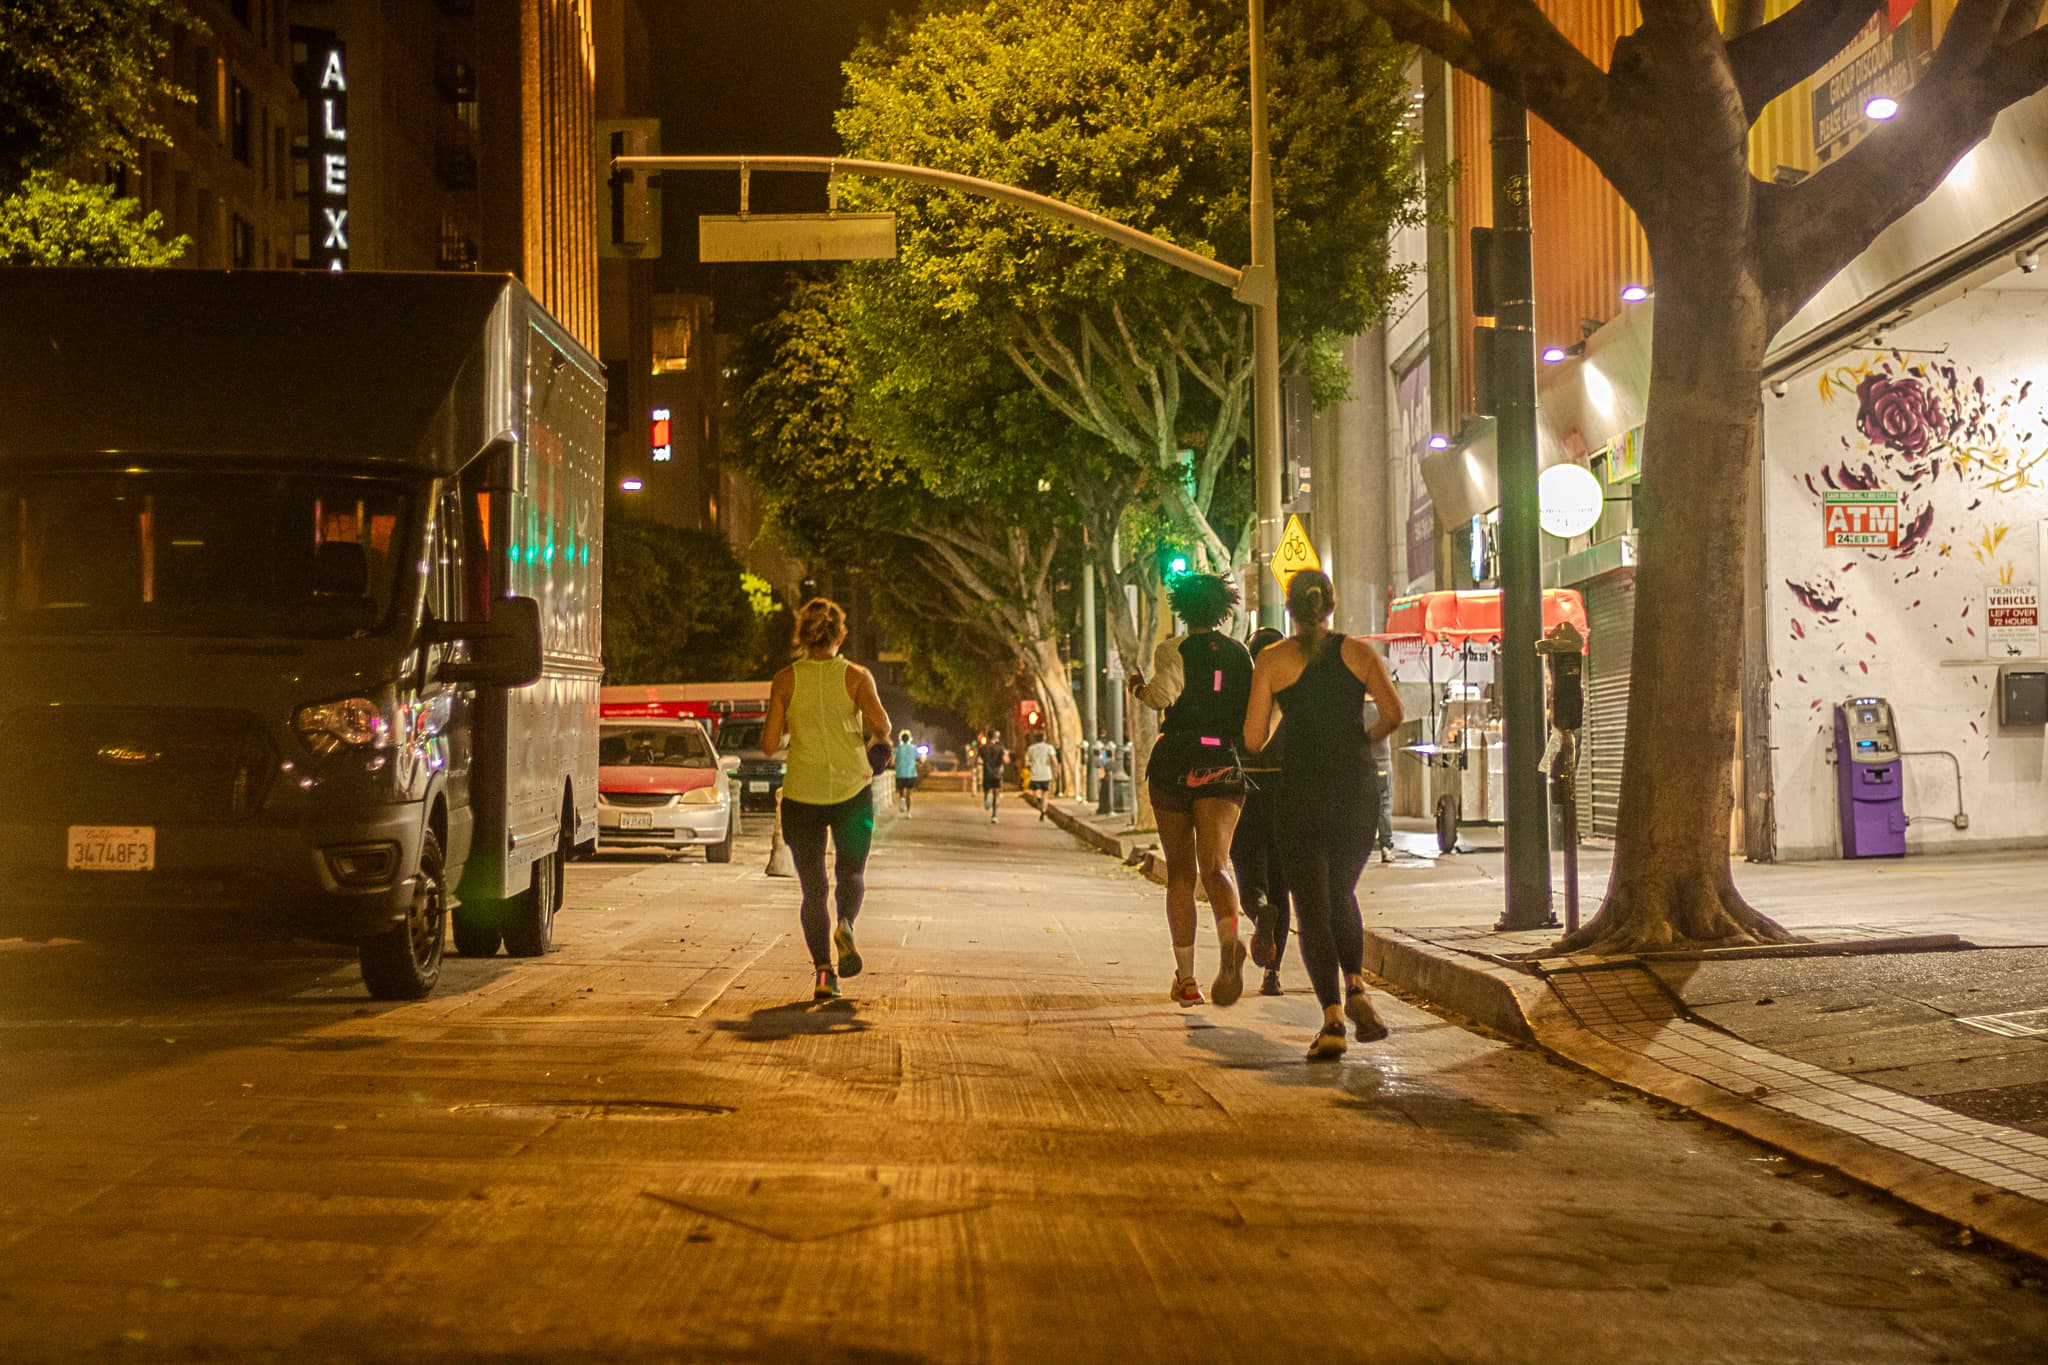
<point>323,84</point>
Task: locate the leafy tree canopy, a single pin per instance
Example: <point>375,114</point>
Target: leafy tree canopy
<point>676,608</point>
<point>54,221</point>
<point>80,82</point>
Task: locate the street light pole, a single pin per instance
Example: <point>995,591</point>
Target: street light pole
<point>1521,544</point>
<point>1260,290</point>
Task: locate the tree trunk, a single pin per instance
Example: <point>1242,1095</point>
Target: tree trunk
<point>1056,698</point>
<point>1672,884</point>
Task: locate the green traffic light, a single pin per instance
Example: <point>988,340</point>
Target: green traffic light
<point>1178,565</point>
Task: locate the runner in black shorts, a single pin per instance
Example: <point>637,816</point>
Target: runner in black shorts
<point>1202,682</point>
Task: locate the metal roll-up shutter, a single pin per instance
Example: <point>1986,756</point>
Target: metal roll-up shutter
<point>1611,621</point>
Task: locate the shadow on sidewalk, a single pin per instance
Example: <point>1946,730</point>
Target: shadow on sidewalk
<point>798,1019</point>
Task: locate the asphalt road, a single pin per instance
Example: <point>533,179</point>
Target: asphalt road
<point>1005,1145</point>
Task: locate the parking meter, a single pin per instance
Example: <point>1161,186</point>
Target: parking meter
<point>1563,650</point>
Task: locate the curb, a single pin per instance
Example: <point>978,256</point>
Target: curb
<point>1146,859</point>
<point>1526,1007</point>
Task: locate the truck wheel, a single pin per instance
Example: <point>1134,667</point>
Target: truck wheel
<point>721,852</point>
<point>404,962</point>
<point>530,917</point>
<point>1447,824</point>
<point>476,931</point>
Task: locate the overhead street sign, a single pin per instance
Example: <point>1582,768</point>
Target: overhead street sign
<point>796,237</point>
<point>1295,553</point>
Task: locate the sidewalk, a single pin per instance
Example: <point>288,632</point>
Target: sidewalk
<point>1904,1045</point>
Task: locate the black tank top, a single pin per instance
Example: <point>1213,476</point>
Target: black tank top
<point>1327,772</point>
<point>1216,687</point>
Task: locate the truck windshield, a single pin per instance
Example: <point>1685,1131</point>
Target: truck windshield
<point>737,736</point>
<point>198,552</point>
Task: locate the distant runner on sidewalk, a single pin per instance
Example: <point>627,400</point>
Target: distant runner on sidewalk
<point>820,704</point>
<point>906,771</point>
<point>1329,802</point>
<point>1041,762</point>
<point>994,757</point>
<point>1201,681</point>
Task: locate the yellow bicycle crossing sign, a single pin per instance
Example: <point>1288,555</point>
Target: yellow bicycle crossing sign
<point>1295,553</point>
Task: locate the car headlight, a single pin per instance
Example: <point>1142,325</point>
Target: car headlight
<point>701,796</point>
<point>328,727</point>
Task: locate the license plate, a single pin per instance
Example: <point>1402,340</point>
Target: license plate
<point>757,786</point>
<point>635,819</point>
<point>110,848</point>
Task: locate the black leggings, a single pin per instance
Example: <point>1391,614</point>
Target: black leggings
<point>1323,862</point>
<point>852,826</point>
<point>1255,856</point>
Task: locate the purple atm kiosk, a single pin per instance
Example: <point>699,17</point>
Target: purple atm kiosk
<point>1870,792</point>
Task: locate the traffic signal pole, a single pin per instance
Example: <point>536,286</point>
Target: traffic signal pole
<point>1521,549</point>
<point>1260,290</point>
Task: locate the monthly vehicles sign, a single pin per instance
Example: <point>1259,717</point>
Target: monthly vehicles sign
<point>1866,517</point>
<point>2013,620</point>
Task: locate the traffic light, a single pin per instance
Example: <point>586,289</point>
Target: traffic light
<point>632,227</point>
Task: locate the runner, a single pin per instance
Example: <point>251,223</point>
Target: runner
<point>1201,681</point>
<point>993,756</point>
<point>1041,761</point>
<point>1328,802</point>
<point>819,703</point>
<point>906,772</point>
<point>1255,848</point>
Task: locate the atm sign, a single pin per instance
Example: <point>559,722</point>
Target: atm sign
<point>1864,517</point>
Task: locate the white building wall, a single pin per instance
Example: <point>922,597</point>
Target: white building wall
<point>1954,415</point>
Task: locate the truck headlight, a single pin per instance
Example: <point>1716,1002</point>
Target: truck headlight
<point>700,796</point>
<point>328,727</point>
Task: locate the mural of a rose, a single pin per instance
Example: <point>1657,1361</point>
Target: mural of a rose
<point>1901,413</point>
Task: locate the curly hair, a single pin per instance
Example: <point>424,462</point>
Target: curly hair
<point>1202,599</point>
<point>820,624</point>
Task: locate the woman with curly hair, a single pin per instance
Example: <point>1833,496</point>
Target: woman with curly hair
<point>1201,682</point>
<point>1328,793</point>
<point>820,703</point>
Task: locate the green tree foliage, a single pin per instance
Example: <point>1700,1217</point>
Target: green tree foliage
<point>80,81</point>
<point>1137,109</point>
<point>675,607</point>
<point>53,221</point>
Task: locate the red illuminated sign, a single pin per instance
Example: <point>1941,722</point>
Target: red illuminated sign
<point>662,450</point>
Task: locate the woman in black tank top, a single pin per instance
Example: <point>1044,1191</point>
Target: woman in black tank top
<point>1328,801</point>
<point>1202,682</point>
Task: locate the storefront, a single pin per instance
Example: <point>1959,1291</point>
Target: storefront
<point>1906,509</point>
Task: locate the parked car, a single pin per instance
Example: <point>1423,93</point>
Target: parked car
<point>661,784</point>
<point>759,776</point>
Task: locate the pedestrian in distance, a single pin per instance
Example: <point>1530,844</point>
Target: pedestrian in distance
<point>1201,683</point>
<point>994,757</point>
<point>1319,681</point>
<point>906,772</point>
<point>1383,763</point>
<point>1041,764</point>
<point>827,710</point>
<point>1255,846</point>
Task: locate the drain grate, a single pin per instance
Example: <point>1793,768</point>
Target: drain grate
<point>2018,1024</point>
<point>643,1110</point>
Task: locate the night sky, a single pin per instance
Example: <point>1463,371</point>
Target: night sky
<point>747,76</point>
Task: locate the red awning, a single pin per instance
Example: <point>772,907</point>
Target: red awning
<point>1433,617</point>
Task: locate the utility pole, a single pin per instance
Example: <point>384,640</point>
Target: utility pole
<point>1261,291</point>
<point>1513,382</point>
<point>1091,676</point>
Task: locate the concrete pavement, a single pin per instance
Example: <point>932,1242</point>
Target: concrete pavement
<point>1004,1146</point>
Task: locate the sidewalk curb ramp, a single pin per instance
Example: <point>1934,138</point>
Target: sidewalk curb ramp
<point>1535,1009</point>
<point>1615,1019</point>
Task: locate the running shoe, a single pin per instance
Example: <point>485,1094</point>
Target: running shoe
<point>1328,1045</point>
<point>849,956</point>
<point>1230,977</point>
<point>828,985</point>
<point>1364,1018</point>
<point>1186,991</point>
<point>1263,954</point>
<point>1271,985</point>
<point>1386,855</point>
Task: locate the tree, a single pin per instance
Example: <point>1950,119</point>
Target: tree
<point>1667,122</point>
<point>53,221</point>
<point>80,80</point>
<point>675,607</point>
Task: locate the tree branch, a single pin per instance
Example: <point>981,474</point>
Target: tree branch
<point>1770,60</point>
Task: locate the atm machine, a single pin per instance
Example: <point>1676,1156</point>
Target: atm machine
<point>1869,782</point>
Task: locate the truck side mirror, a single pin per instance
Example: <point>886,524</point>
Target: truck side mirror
<point>503,651</point>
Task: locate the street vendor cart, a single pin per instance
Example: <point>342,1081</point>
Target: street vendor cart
<point>1446,642</point>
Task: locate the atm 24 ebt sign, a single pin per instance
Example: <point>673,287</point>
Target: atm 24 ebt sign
<point>1862,517</point>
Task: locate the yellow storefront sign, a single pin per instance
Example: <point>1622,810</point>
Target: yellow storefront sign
<point>1295,553</point>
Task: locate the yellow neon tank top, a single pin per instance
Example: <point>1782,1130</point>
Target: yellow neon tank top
<point>827,761</point>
